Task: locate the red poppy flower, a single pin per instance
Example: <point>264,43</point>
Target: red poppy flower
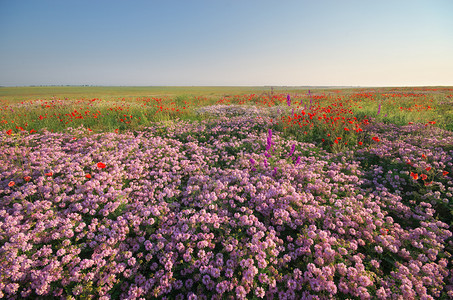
<point>49,174</point>
<point>423,156</point>
<point>9,132</point>
<point>423,176</point>
<point>428,183</point>
<point>360,143</point>
<point>346,129</point>
<point>101,165</point>
<point>414,175</point>
<point>11,183</point>
<point>88,176</point>
<point>31,131</point>
<point>375,138</point>
<point>445,173</point>
<point>27,178</point>
<point>427,169</point>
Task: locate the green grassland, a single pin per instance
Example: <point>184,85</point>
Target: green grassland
<point>12,94</point>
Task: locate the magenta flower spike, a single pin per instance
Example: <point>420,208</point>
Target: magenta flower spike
<point>288,100</point>
<point>269,140</point>
<point>292,150</point>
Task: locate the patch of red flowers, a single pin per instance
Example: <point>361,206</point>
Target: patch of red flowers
<point>100,165</point>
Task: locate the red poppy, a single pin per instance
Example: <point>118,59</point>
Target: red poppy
<point>375,138</point>
<point>27,178</point>
<point>346,129</point>
<point>427,169</point>
<point>31,131</point>
<point>101,165</point>
<point>445,173</point>
<point>49,174</point>
<point>9,132</point>
<point>428,183</point>
<point>423,156</point>
<point>88,176</point>
<point>11,183</point>
<point>414,175</point>
<point>360,143</point>
<point>423,176</point>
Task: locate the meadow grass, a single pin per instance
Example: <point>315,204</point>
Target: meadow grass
<point>17,94</point>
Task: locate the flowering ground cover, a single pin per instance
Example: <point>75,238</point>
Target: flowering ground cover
<point>244,206</point>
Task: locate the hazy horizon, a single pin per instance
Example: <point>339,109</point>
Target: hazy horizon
<point>226,43</point>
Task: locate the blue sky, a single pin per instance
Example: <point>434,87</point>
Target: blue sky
<point>220,42</point>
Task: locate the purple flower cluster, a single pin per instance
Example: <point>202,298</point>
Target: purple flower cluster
<point>177,212</point>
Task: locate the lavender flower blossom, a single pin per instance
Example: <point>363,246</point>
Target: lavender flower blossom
<point>182,219</point>
<point>252,161</point>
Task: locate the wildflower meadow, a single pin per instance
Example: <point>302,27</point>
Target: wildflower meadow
<point>275,194</point>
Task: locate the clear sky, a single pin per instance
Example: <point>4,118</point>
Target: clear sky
<point>226,42</point>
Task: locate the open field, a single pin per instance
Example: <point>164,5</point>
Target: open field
<point>226,193</point>
<point>79,92</point>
